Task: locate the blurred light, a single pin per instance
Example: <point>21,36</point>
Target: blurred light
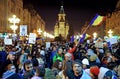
<point>14,20</point>
<point>94,35</point>
<point>110,32</point>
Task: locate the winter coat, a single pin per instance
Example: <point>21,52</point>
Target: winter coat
<point>85,76</point>
<point>3,56</point>
<point>49,74</point>
<point>57,57</point>
<point>102,72</point>
<point>72,51</point>
<point>11,75</point>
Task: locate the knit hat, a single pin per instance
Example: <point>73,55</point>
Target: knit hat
<point>93,57</point>
<point>85,61</point>
<point>68,54</point>
<point>78,61</point>
<point>94,70</point>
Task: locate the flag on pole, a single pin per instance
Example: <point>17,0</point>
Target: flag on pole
<point>72,39</point>
<point>97,20</point>
<point>82,38</point>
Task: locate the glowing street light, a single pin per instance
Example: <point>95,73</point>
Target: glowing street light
<point>110,32</point>
<point>45,34</point>
<point>39,31</point>
<point>14,20</point>
<point>94,35</point>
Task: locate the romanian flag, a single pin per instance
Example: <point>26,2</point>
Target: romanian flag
<point>97,20</point>
<point>72,39</point>
<point>82,38</point>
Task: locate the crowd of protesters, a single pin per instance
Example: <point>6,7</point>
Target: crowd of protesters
<point>62,60</point>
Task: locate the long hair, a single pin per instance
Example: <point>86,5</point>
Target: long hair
<point>56,64</point>
<point>67,67</point>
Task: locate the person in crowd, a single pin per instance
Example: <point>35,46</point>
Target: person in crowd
<point>11,73</point>
<point>94,60</point>
<point>48,57</point>
<point>42,52</point>
<point>11,59</point>
<point>3,58</point>
<point>94,71</point>
<point>72,49</point>
<point>52,54</point>
<point>90,51</point>
<point>27,49</point>
<point>114,67</point>
<point>49,74</point>
<point>59,55</point>
<point>39,73</point>
<point>34,54</point>
<point>118,71</point>
<point>85,63</point>
<point>107,58</point>
<point>77,53</point>
<point>29,57</point>
<point>66,72</point>
<point>116,56</point>
<point>79,73</point>
<point>28,69</point>
<point>99,72</point>
<point>68,56</point>
<point>57,67</point>
<point>110,75</point>
<point>40,60</point>
<point>23,58</point>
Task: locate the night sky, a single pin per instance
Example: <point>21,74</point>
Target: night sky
<point>77,11</point>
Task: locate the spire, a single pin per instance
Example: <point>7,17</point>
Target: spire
<point>62,9</point>
<point>118,5</point>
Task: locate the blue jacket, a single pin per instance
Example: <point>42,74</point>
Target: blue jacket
<point>3,56</point>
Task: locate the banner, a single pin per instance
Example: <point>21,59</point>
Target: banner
<point>8,41</point>
<point>32,38</point>
<point>23,30</point>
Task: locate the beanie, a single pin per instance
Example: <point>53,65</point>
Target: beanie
<point>94,70</point>
<point>93,57</point>
<point>85,61</point>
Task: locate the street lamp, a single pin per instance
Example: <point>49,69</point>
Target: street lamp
<point>39,31</point>
<point>14,20</point>
<point>94,35</point>
<point>45,35</point>
<point>110,32</point>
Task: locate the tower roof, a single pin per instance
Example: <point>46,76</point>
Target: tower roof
<point>118,5</point>
<point>62,10</point>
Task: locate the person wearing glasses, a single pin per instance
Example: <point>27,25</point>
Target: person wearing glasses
<point>28,69</point>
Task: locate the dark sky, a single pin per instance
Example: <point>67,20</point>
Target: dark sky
<point>77,11</point>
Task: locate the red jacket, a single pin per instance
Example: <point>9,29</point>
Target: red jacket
<point>71,51</point>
